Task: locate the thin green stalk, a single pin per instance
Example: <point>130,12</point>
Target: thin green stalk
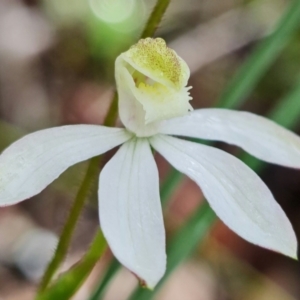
<point>92,172</point>
<point>112,113</point>
<point>69,227</point>
<point>155,18</point>
<point>67,232</point>
<point>71,281</point>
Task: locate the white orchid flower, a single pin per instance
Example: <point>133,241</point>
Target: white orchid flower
<point>154,104</point>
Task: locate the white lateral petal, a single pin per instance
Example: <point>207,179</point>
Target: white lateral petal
<point>130,211</point>
<point>257,135</point>
<point>237,195</point>
<point>34,161</point>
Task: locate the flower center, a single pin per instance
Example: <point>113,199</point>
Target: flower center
<point>160,62</point>
<point>151,80</point>
<point>146,85</point>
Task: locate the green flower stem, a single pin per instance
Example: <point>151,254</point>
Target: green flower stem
<point>92,172</point>
<point>112,113</point>
<point>67,232</point>
<point>155,18</point>
<point>71,281</point>
<point>87,184</point>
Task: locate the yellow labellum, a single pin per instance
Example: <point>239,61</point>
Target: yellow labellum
<point>160,61</point>
<point>151,79</point>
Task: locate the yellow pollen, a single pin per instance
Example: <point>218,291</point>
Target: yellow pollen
<point>156,57</point>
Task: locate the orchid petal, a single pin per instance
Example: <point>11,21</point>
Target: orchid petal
<point>237,195</point>
<point>130,211</point>
<point>257,135</point>
<point>34,161</point>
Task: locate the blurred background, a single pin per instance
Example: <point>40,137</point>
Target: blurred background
<point>57,67</point>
